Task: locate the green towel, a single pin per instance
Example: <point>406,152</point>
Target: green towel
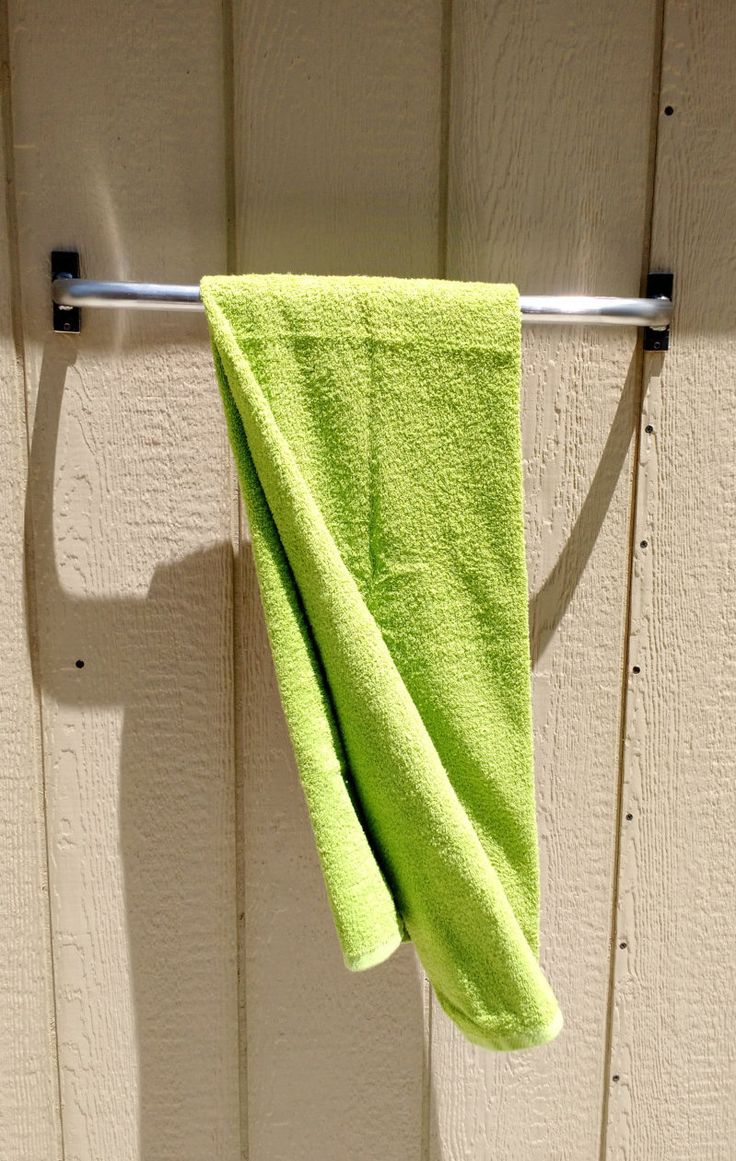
<point>375,423</point>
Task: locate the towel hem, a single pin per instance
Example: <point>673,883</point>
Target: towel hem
<point>376,955</point>
<point>510,1041</point>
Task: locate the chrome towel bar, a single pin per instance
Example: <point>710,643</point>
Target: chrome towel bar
<point>69,293</point>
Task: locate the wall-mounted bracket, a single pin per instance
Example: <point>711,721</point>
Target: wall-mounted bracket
<point>65,264</point>
<point>659,285</point>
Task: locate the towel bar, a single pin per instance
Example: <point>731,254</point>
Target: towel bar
<point>70,292</point>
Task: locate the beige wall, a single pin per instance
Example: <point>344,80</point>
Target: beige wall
<point>172,986</point>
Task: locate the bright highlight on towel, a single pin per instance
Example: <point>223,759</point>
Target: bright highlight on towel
<point>375,424</point>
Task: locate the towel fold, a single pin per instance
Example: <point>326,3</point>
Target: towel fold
<point>375,424</point>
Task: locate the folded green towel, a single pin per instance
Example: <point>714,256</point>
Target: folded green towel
<point>375,423</point>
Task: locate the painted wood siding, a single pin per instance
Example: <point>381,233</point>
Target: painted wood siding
<point>172,982</point>
<point>132,501</point>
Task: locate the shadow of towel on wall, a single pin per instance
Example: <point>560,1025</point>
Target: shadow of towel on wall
<point>549,604</point>
<point>141,812</point>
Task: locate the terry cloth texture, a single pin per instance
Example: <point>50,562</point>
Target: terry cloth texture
<point>375,423</point>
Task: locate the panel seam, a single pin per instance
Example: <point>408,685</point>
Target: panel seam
<point>237,594</point>
<point>607,1081</point>
<point>443,185</point>
<point>21,375</point>
<point>443,199</point>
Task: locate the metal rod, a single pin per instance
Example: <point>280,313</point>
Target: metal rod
<point>536,308</point>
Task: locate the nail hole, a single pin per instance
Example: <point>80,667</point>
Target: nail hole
<point>643,543</point>
<point>79,664</point>
<point>629,817</point>
<point>623,945</point>
<point>636,669</point>
<point>649,429</point>
<point>668,110</point>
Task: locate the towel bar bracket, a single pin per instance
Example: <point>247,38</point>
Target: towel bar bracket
<point>660,284</point>
<point>65,264</point>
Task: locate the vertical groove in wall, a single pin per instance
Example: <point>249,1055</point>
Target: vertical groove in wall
<point>16,315</point>
<point>228,75</point>
<point>240,888</point>
<point>632,537</point>
<point>444,153</point>
<point>426,1138</point>
<point>653,138</point>
<point>443,183</point>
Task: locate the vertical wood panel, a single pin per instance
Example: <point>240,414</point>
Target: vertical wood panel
<point>549,124</point>
<point>29,1124</point>
<point>119,131</point>
<point>337,138</point>
<point>674,1034</point>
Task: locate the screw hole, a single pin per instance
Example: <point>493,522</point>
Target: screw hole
<point>657,346</point>
<point>668,110</point>
<point>649,429</point>
<point>623,945</point>
<point>629,816</point>
<point>615,1078</point>
<point>643,543</point>
<point>79,664</point>
<point>636,669</point>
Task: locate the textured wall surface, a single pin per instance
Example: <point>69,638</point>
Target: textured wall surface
<point>172,985</point>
